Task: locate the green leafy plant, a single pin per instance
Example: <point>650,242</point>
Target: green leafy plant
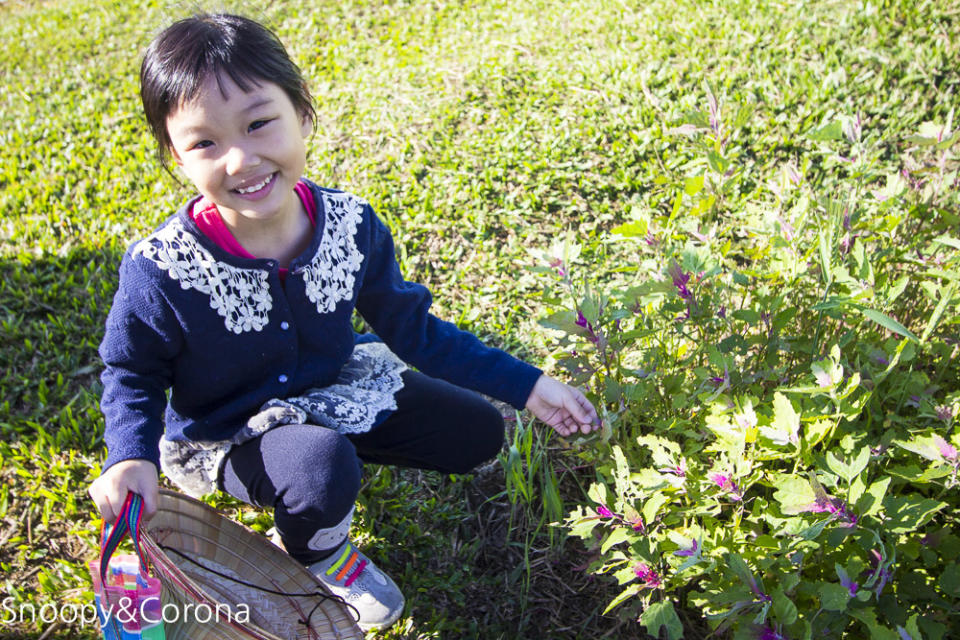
<point>778,371</point>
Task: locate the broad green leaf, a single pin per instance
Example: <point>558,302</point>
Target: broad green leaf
<point>950,580</point>
<point>736,562</point>
<point>858,464</point>
<point>839,467</point>
<point>834,597</point>
<point>870,502</point>
<point>857,488</point>
<point>622,472</point>
<point>661,615</point>
<point>636,228</point>
<point>938,312</point>
<point>889,323</point>
<point>914,474</point>
<point>717,162</point>
<point>831,131</point>
<point>616,536</point>
<point>813,532</point>
<point>598,493</point>
<point>693,185</point>
<point>912,628</point>
<point>662,451</point>
<point>898,287</point>
<point>947,240</point>
<point>816,431</point>
<point>563,321</point>
<point>584,528</point>
<point>923,446</point>
<point>909,513</point>
<point>622,596</point>
<point>652,506</point>
<point>785,428</point>
<point>877,631</point>
<point>783,608</point>
<point>794,494</point>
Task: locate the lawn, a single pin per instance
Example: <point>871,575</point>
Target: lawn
<point>481,131</point>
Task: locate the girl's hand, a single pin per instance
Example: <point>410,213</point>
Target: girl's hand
<point>110,490</point>
<point>562,407</point>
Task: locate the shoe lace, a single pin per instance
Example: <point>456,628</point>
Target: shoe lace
<point>349,565</point>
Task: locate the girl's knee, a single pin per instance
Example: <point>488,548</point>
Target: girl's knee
<point>485,439</point>
<point>321,472</point>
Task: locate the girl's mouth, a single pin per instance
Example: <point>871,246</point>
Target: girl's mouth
<point>257,190</point>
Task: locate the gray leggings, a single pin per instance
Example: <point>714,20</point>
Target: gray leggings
<point>310,475</point>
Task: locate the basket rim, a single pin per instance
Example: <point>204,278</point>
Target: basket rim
<point>256,552</point>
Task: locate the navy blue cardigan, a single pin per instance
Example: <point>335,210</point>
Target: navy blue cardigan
<point>223,335</point>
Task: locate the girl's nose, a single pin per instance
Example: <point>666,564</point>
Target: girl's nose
<point>240,158</point>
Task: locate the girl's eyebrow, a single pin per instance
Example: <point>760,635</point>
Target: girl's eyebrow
<point>257,104</point>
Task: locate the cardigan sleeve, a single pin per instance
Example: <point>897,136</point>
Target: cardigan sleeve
<point>141,340</point>
<point>398,311</point>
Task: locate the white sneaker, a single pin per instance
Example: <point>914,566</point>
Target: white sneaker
<point>352,576</point>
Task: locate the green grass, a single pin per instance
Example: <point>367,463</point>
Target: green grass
<point>481,131</point>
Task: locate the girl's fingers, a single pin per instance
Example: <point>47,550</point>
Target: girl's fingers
<point>578,412</point>
<point>107,511</point>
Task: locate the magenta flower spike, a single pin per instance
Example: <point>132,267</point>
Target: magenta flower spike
<point>680,280</point>
<point>726,484</point>
<point>649,577</point>
<point>947,450</point>
<point>836,507</point>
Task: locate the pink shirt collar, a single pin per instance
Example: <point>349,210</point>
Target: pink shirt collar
<point>210,222</point>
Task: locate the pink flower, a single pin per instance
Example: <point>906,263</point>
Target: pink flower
<point>582,321</point>
<point>725,483</point>
<point>947,450</point>
<point>680,470</point>
<point>881,572</point>
<point>836,507</point>
<point>604,512</point>
<point>680,280</point>
<point>557,264</point>
<point>649,577</point>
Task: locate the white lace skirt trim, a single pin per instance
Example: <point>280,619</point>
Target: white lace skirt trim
<point>365,386</point>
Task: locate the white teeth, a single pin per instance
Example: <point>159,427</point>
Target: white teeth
<point>255,187</point>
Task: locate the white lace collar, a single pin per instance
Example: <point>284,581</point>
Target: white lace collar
<point>241,295</point>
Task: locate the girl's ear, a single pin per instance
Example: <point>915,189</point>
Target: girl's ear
<point>174,156</point>
<point>306,126</point>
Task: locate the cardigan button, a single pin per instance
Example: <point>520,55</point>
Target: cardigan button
<point>283,378</point>
<point>284,325</point>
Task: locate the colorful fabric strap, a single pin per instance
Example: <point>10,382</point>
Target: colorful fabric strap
<point>128,521</point>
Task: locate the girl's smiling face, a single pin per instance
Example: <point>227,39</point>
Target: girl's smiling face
<point>244,151</point>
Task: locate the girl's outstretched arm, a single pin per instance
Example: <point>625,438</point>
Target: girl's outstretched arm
<point>110,489</point>
<point>562,407</point>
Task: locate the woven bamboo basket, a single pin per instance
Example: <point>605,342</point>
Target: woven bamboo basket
<point>186,526</point>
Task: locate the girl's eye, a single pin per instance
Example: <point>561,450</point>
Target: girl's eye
<point>256,124</point>
<point>203,144</point>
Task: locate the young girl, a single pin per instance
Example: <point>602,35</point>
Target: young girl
<point>240,305</point>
